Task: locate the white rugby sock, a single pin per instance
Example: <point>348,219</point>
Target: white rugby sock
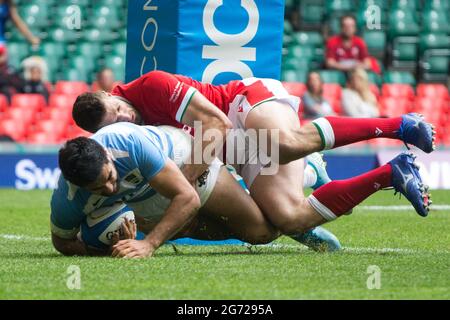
<point>326,133</point>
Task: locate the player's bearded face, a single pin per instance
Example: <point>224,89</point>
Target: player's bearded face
<point>119,111</point>
<point>107,183</point>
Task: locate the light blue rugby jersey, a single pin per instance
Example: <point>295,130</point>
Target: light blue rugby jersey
<point>139,153</point>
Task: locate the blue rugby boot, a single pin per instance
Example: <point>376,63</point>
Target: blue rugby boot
<point>407,181</point>
<point>319,239</point>
<point>416,131</point>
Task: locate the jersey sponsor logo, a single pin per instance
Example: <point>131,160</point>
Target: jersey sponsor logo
<point>176,92</point>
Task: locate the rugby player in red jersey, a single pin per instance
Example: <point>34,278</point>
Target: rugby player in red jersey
<point>167,99</point>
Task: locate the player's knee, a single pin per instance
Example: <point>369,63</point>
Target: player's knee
<point>263,236</point>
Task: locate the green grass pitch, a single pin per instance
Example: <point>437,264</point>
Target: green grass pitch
<point>413,255</point>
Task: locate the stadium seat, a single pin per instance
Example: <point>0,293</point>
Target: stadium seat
<point>4,104</point>
<point>332,91</point>
<point>71,88</point>
<point>98,35</point>
<point>62,101</point>
<point>311,39</point>
<point>60,114</point>
<point>17,50</point>
<point>295,88</point>
<point>399,77</point>
<point>433,41</point>
<point>375,90</point>
<point>293,76</point>
<point>311,14</point>
<point>394,107</point>
<point>438,91</point>
<point>55,127</point>
<point>75,131</point>
<point>404,4</point>
<point>64,35</point>
<point>53,50</point>
<point>89,50</point>
<point>435,21</point>
<point>397,90</point>
<point>35,102</point>
<point>20,115</point>
<point>35,15</point>
<point>332,76</point>
<point>83,64</point>
<point>41,138</point>
<point>376,42</point>
<point>13,128</point>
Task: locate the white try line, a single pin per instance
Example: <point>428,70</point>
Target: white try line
<point>272,246</point>
<point>434,207</point>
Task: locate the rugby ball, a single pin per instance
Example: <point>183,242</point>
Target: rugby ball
<point>97,230</point>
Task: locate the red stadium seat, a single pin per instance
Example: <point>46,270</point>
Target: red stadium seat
<point>394,107</point>
<point>54,127</point>
<point>375,90</point>
<point>40,137</point>
<point>62,101</point>
<point>29,101</point>
<point>73,88</point>
<point>332,91</point>
<point>63,115</point>
<point>397,90</point>
<point>13,128</point>
<point>75,131</point>
<point>295,88</point>
<point>21,115</point>
<point>432,91</point>
<point>432,108</point>
<point>3,103</point>
<point>95,87</point>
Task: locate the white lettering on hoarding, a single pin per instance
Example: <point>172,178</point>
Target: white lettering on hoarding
<point>229,52</point>
<point>30,176</point>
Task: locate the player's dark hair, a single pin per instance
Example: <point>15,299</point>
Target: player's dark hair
<point>346,16</point>
<point>88,111</point>
<point>81,161</point>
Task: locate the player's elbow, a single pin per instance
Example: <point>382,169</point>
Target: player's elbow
<point>61,245</point>
<point>192,201</point>
<point>221,123</point>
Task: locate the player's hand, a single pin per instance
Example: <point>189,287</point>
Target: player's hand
<point>132,249</point>
<point>129,231</point>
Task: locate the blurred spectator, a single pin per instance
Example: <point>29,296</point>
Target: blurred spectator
<point>358,101</point>
<point>35,74</point>
<point>8,10</point>
<point>314,104</point>
<point>10,80</point>
<point>346,51</point>
<point>105,80</point>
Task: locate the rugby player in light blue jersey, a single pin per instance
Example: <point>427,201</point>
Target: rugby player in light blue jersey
<point>140,166</point>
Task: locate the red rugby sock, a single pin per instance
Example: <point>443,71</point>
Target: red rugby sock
<point>340,196</point>
<point>340,131</point>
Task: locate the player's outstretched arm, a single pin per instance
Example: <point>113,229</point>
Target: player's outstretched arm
<point>211,118</point>
<point>185,202</point>
<point>75,247</point>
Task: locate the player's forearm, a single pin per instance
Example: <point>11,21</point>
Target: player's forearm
<point>214,132</point>
<point>181,211</point>
<point>74,247</point>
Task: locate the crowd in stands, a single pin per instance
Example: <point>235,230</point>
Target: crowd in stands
<point>331,59</point>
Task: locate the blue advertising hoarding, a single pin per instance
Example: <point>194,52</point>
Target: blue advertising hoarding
<point>209,40</point>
